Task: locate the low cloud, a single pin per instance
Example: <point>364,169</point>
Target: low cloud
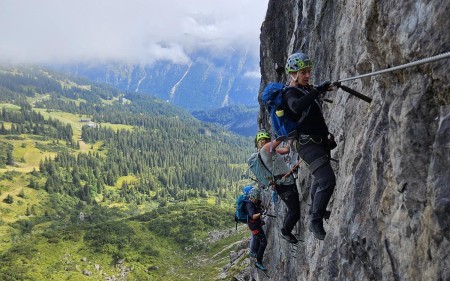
<point>252,74</point>
<point>134,31</point>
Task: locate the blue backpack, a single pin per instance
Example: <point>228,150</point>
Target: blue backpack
<point>272,97</point>
<point>241,213</point>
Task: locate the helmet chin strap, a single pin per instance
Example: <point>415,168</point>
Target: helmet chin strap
<point>294,78</point>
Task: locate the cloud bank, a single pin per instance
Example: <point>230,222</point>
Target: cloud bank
<point>132,31</point>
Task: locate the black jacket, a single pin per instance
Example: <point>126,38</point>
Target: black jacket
<point>252,209</point>
<point>304,101</point>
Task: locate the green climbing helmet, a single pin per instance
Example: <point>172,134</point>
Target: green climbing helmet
<point>297,61</point>
<point>262,134</point>
<point>255,193</point>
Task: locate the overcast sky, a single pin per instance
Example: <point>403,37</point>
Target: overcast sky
<point>135,31</point>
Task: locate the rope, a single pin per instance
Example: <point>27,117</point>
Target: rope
<point>293,168</point>
<point>419,62</point>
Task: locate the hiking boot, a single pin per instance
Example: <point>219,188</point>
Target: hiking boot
<point>290,238</point>
<point>260,266</point>
<point>316,227</point>
<point>253,255</point>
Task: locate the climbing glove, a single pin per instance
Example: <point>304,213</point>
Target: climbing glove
<point>331,142</point>
<point>323,87</point>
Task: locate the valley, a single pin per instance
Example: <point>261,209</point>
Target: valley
<point>95,185</point>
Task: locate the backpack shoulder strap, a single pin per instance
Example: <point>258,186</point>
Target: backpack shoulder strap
<point>262,162</point>
<point>290,114</point>
<point>264,165</point>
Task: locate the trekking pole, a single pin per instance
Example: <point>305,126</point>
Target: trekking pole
<point>387,70</point>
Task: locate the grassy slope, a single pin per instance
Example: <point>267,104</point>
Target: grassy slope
<point>61,257</point>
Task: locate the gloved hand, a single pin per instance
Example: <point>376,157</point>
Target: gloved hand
<point>323,87</point>
<point>331,142</point>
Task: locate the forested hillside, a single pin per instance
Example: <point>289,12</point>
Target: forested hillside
<point>124,179</point>
<point>238,118</point>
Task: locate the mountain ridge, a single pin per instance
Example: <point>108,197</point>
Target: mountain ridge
<point>207,82</point>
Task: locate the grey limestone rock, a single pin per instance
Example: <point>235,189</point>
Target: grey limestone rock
<point>390,209</point>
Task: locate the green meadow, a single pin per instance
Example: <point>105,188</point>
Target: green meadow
<point>44,236</point>
<point>142,193</point>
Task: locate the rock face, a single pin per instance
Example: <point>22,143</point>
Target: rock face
<point>390,209</point>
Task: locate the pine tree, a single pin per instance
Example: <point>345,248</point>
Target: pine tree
<point>21,193</point>
<point>41,167</point>
<point>9,158</point>
<point>9,199</point>
<point>34,172</point>
<point>3,130</point>
<point>33,210</point>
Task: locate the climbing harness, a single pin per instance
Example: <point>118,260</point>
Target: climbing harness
<point>304,139</point>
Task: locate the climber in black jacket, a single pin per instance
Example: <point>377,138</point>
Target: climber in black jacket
<point>255,223</point>
<point>302,104</point>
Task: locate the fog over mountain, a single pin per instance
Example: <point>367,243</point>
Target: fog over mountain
<point>207,82</point>
<point>199,55</point>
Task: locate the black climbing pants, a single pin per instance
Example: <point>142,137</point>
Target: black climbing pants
<point>289,195</point>
<point>259,243</point>
<point>317,156</point>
